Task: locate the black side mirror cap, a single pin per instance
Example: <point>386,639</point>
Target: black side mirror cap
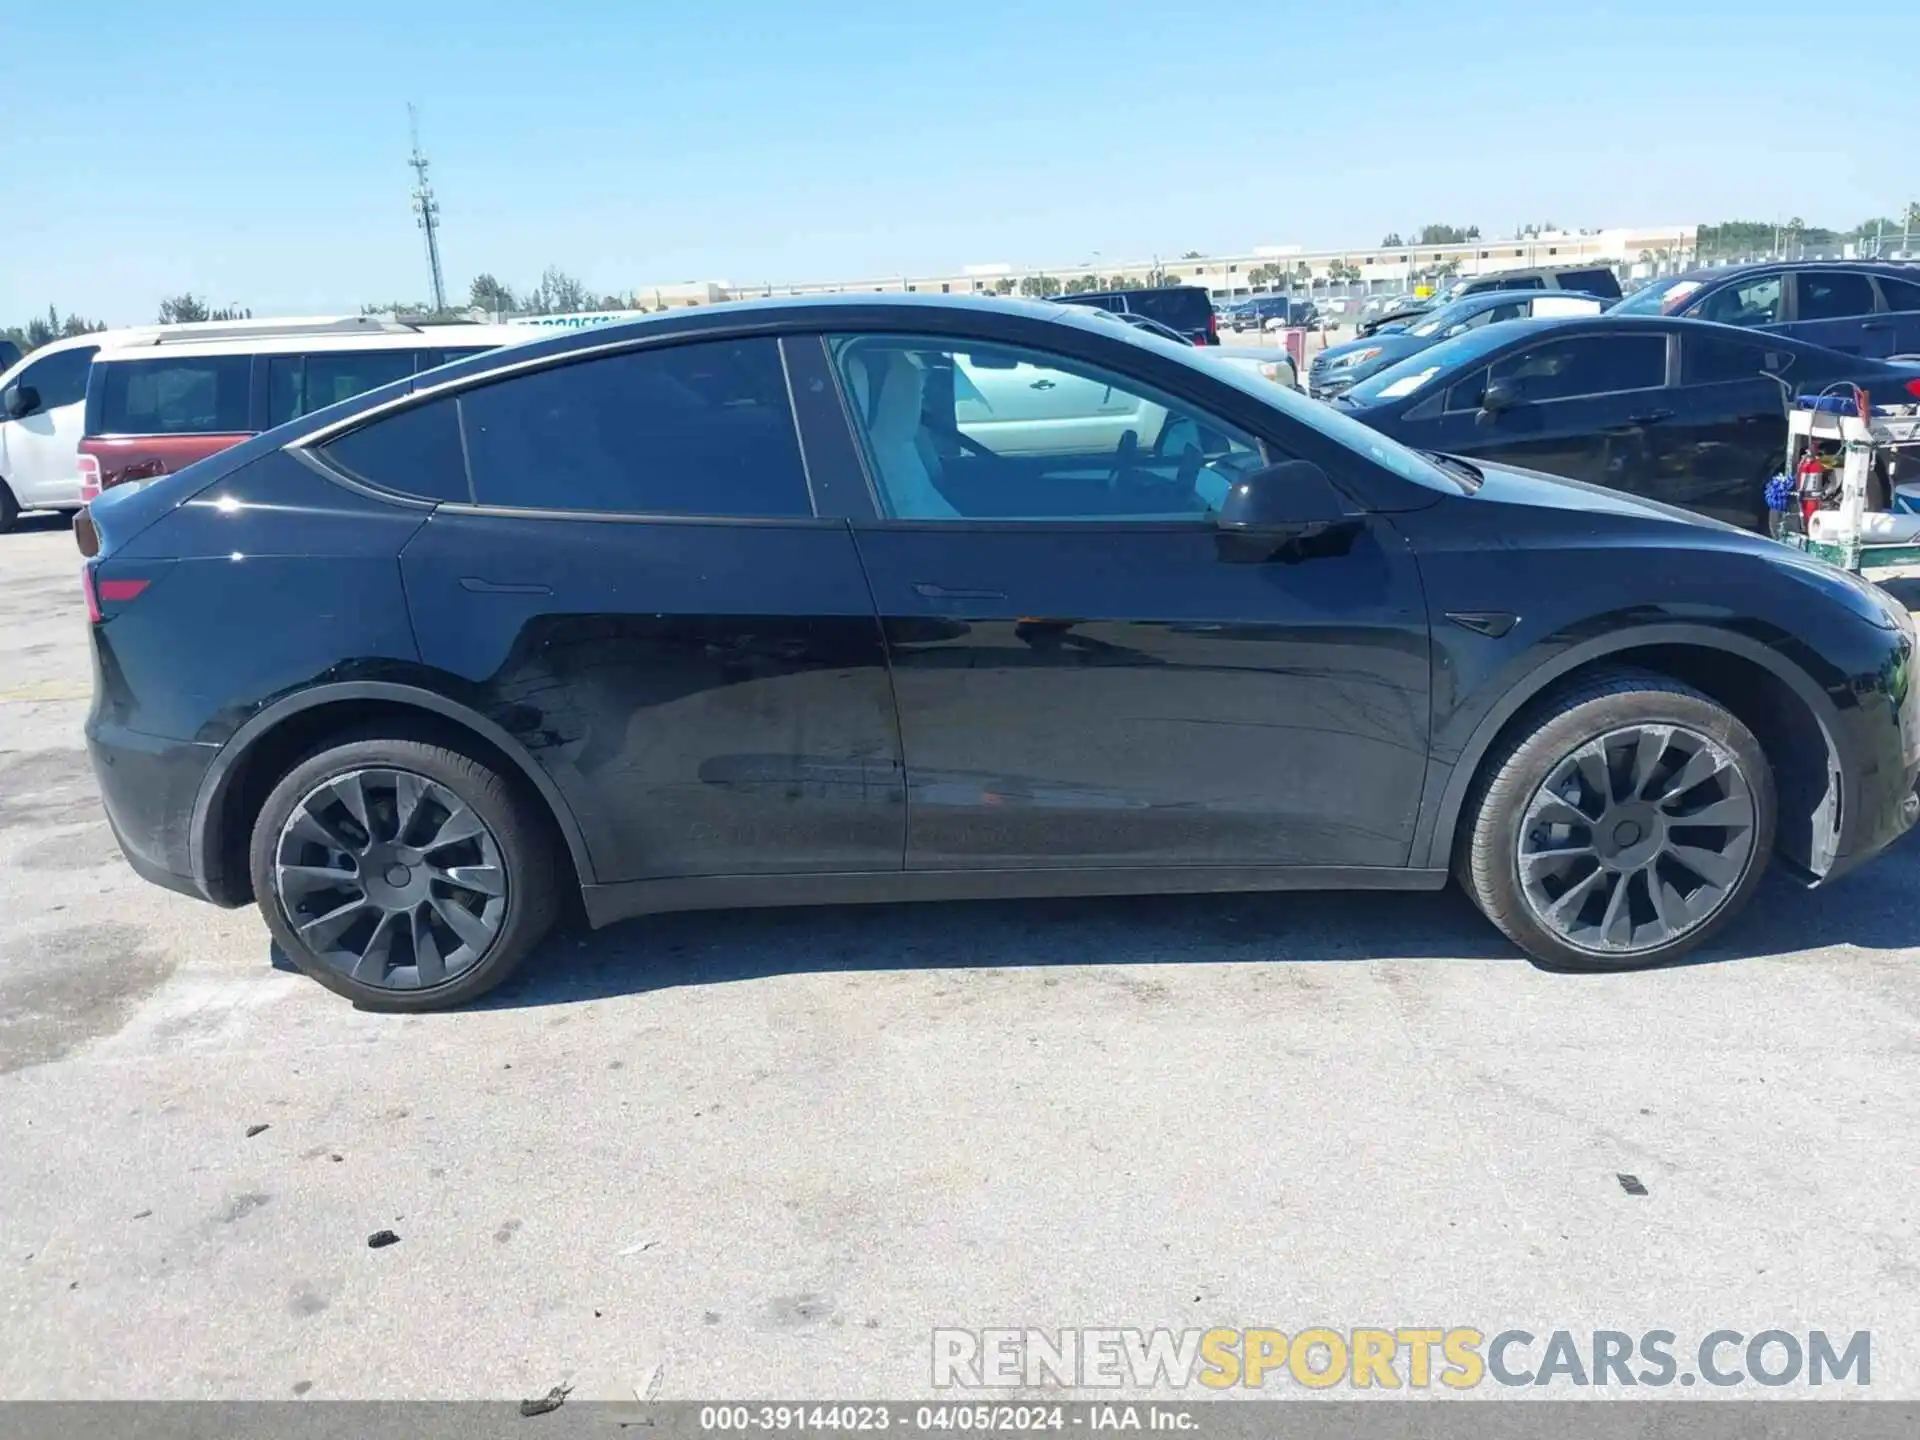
<point>1499,395</point>
<point>1285,511</point>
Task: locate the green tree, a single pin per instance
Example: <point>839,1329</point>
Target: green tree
<point>1448,234</point>
<point>1003,286</point>
<point>186,308</point>
<point>487,293</point>
<point>1082,284</point>
<point>1391,240</point>
<point>558,293</point>
<point>1191,255</point>
<point>1039,287</point>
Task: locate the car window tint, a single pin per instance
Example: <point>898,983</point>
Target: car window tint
<point>1834,295</point>
<point>415,451</point>
<point>1750,302</point>
<point>1465,394</point>
<point>1523,282</point>
<point>1586,365</point>
<point>1715,361</point>
<point>702,429</point>
<point>177,395</point>
<point>300,384</point>
<point>961,431</point>
<point>1900,294</point>
<point>61,378</point>
<point>1591,282</point>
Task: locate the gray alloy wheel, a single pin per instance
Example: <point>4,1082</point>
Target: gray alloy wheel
<point>391,879</point>
<point>1636,838</point>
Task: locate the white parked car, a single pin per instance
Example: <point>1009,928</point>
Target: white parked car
<point>1268,362</point>
<point>43,402</point>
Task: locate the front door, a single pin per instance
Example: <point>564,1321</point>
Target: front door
<point>1084,680</point>
<point>40,449</point>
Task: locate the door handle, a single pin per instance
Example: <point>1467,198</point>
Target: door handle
<point>494,587</point>
<point>1876,325</point>
<point>942,592</point>
<point>1650,417</point>
<point>1041,385</point>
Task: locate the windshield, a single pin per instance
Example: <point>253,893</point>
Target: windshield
<point>1447,315</point>
<point>1400,380</point>
<point>1659,297</point>
<point>1409,465</point>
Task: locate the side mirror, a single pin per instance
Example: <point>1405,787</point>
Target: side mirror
<point>1499,395</point>
<point>20,400</point>
<point>1288,511</point>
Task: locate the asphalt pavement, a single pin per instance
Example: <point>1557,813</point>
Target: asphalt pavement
<point>766,1153</point>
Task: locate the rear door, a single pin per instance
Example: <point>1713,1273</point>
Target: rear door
<point>1728,432</point>
<point>1753,301</point>
<point>1836,308</point>
<point>1583,407</point>
<point>639,590</point>
<point>299,384</point>
<point>39,449</point>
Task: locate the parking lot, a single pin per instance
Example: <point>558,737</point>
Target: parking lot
<point>765,1153</point>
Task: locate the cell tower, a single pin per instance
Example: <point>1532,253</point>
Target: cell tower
<point>427,208</point>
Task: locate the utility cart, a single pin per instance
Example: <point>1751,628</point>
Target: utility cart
<point>1844,455</point>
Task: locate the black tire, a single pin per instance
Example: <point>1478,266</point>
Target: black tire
<point>524,839</point>
<point>1487,854</point>
<point>9,508</point>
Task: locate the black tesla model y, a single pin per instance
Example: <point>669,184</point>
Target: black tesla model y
<point>881,598</point>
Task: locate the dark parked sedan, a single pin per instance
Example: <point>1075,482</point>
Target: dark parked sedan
<point>1679,411</point>
<point>1340,367</point>
<point>1869,308</point>
<point>880,598</point>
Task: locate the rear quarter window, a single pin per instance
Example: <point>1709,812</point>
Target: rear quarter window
<point>174,395</point>
<point>1592,282</point>
<point>1185,309</point>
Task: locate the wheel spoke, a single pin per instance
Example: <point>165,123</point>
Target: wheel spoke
<point>309,828</point>
<point>461,824</point>
<point>305,879</point>
<point>1669,908</point>
<point>427,962</point>
<point>374,962</point>
<point>1550,809</point>
<point>472,930</point>
<point>320,932</point>
<point>1619,913</point>
<point>351,791</point>
<point>1568,905</point>
<point>1703,764</point>
<point>408,791</point>
<point>486,879</point>
<point>1735,812</point>
<point>1715,867</point>
<point>1591,762</point>
<point>1650,745</point>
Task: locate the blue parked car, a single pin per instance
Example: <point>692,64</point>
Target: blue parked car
<point>1339,367</point>
<point>1868,308</point>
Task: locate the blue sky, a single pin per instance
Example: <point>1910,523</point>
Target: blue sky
<point>255,153</point>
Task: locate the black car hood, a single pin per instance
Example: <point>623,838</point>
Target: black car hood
<point>1509,485</point>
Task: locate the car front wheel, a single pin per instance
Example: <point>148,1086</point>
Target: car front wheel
<point>1629,819</point>
<point>402,874</point>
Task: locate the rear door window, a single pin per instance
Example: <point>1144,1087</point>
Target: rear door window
<point>176,395</point>
<point>1715,361</point>
<point>700,429</point>
<point>300,384</point>
<point>1900,294</point>
<point>1186,308</point>
<point>1586,365</point>
<point>414,452</point>
<point>1833,295</point>
<point>1756,301</point>
<point>1591,282</point>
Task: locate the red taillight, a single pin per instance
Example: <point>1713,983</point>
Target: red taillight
<point>89,478</point>
<point>1913,388</point>
<point>1213,328</point>
<point>107,592</point>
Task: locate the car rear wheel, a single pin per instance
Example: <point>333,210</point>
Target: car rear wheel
<point>1626,822</point>
<point>403,874</point>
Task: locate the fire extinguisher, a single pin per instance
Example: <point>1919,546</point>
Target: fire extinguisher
<point>1810,479</point>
